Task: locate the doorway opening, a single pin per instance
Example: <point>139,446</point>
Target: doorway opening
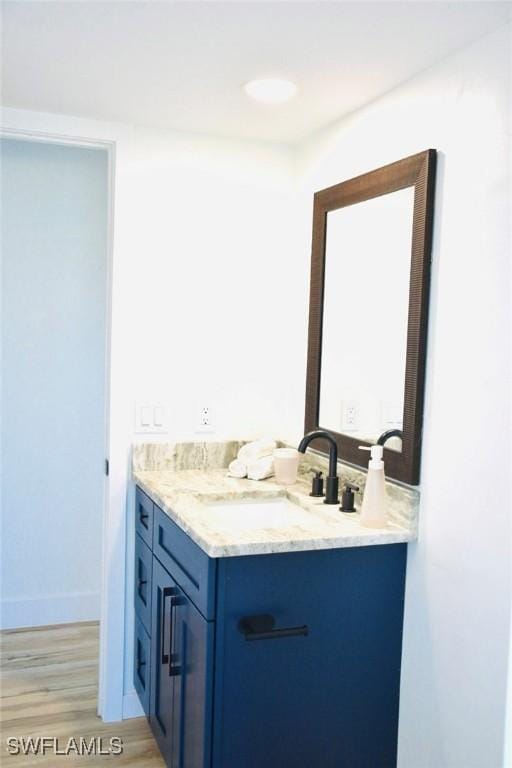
<point>56,256</point>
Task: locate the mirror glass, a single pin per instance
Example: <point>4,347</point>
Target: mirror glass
<point>366,294</point>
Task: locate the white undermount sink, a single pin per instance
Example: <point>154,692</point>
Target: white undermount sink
<point>255,514</point>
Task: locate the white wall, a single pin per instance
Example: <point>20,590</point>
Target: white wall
<point>54,268</point>
<point>210,241</point>
<point>457,615</point>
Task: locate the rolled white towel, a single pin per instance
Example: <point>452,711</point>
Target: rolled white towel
<point>251,452</point>
<point>261,469</point>
<point>237,468</point>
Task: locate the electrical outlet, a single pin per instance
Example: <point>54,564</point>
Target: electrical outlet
<point>349,416</point>
<point>204,419</point>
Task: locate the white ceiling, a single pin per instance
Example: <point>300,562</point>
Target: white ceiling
<point>181,65</point>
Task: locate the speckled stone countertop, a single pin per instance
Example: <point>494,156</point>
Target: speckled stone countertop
<point>183,478</point>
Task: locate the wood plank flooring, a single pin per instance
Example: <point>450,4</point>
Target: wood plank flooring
<point>48,687</point>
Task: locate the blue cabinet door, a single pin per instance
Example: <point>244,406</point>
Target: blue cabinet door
<point>323,689</point>
<point>161,705</point>
<point>192,671</point>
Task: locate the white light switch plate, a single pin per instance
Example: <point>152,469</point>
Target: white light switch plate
<point>151,418</point>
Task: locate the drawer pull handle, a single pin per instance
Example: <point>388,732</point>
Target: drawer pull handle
<point>143,516</point>
<point>139,589</point>
<point>174,667</point>
<point>140,673</point>
<point>166,592</point>
<point>261,627</point>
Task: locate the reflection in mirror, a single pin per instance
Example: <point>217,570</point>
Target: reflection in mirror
<point>366,293</point>
<point>368,312</point>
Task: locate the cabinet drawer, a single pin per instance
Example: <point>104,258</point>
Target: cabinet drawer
<point>142,665</point>
<point>191,568</point>
<point>143,568</point>
<point>144,517</point>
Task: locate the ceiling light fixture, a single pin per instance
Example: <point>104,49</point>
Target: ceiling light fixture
<point>271,90</point>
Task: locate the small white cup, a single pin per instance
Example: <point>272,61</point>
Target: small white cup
<point>286,465</point>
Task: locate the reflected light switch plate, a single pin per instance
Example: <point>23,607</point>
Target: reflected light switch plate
<point>392,416</point>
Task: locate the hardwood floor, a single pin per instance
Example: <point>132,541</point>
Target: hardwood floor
<point>49,688</point>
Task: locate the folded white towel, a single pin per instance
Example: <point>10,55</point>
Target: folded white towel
<point>237,468</point>
<point>261,469</point>
<point>256,450</point>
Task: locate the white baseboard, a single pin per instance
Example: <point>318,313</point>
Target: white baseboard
<point>52,609</point>
<point>132,706</point>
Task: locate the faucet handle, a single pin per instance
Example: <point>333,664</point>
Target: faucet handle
<point>317,486</point>
<point>347,498</point>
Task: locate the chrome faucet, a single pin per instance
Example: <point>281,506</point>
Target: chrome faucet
<point>331,481</point>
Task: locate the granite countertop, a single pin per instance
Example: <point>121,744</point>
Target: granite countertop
<point>184,493</point>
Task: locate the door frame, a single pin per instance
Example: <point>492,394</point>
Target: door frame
<point>112,595</point>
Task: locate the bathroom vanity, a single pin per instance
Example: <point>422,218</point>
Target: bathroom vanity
<point>278,646</point>
<point>269,624</point>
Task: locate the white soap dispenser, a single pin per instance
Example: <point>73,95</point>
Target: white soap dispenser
<point>373,510</point>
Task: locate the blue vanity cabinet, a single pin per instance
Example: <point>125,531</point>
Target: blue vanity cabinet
<point>282,660</point>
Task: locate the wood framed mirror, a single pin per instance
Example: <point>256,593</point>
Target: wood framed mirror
<point>369,298</point>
